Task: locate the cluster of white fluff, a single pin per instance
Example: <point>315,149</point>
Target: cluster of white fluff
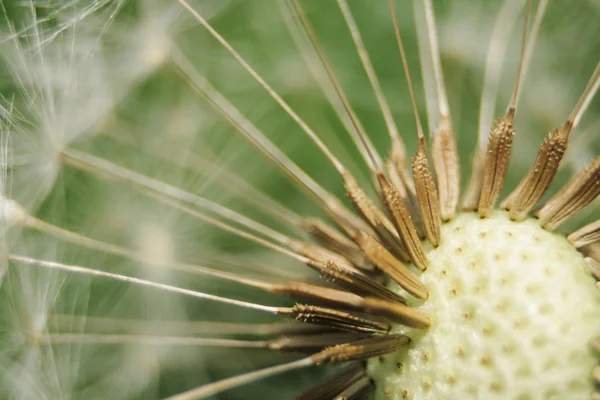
<point>97,80</point>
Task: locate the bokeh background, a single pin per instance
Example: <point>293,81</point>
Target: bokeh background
<point>99,76</point>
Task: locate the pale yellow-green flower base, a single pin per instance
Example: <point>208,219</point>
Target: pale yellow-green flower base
<point>513,309</point>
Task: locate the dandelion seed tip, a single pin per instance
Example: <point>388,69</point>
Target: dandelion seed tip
<point>381,178</point>
<point>510,114</point>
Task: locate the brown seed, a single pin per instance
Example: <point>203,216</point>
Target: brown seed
<point>429,201</point>
<point>446,164</point>
<point>346,321</point>
<point>408,196</point>
<point>398,313</point>
<point>355,282</point>
<point>362,349</point>
<point>580,191</point>
<point>501,139</point>
<point>335,241</point>
<point>403,223</point>
<point>586,235</point>
<point>540,176</point>
<point>376,219</point>
<point>392,266</point>
<point>496,164</point>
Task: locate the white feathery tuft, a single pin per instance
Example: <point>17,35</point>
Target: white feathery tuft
<point>58,71</point>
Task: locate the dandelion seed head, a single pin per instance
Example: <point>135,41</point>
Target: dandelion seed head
<point>146,246</point>
<point>507,315</point>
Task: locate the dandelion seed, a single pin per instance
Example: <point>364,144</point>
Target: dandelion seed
<point>125,273</point>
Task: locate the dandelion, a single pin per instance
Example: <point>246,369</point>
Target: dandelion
<point>145,256</point>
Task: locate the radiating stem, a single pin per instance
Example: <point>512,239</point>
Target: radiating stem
<point>77,269</point>
<point>212,389</point>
